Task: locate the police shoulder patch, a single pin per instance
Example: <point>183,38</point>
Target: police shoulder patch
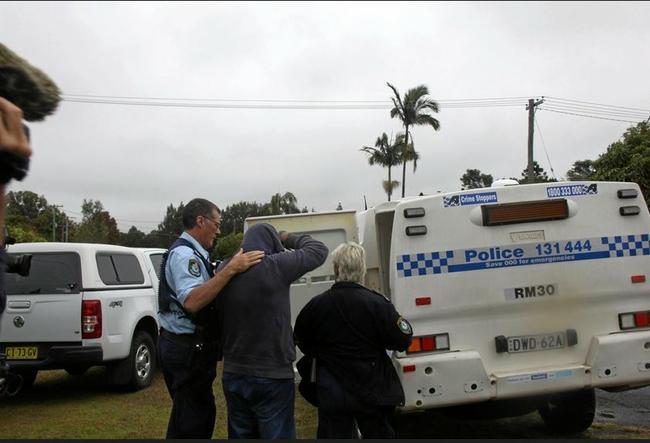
<point>193,267</point>
<point>404,326</point>
<point>379,294</point>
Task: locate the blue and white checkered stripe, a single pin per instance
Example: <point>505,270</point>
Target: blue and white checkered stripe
<point>424,263</point>
<point>627,245</point>
<point>442,262</point>
<point>450,201</point>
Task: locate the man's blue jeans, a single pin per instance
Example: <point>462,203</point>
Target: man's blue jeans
<point>259,407</point>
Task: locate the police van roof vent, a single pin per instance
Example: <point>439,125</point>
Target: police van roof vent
<point>504,182</point>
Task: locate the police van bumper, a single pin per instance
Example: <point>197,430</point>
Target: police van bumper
<point>443,379</point>
<point>616,361</point>
<point>620,360</point>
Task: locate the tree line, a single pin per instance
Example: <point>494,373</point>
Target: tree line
<point>31,218</point>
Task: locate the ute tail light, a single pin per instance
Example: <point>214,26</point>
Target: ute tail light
<point>429,343</point>
<point>91,319</point>
<point>634,320</point>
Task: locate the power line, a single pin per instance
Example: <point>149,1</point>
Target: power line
<point>579,108</point>
<point>186,99</point>
<point>597,110</point>
<point>91,96</point>
<point>545,151</point>
<point>546,108</point>
<point>278,104</point>
<point>225,105</point>
<point>597,104</point>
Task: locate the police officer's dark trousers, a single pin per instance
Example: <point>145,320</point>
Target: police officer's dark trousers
<point>189,375</point>
<point>338,411</point>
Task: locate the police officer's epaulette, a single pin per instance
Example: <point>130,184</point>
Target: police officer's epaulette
<point>379,294</point>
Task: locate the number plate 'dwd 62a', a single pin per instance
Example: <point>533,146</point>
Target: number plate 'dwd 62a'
<point>21,352</point>
<point>542,342</point>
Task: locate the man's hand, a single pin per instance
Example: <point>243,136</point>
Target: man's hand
<point>244,260</point>
<point>284,235</point>
<point>12,135</point>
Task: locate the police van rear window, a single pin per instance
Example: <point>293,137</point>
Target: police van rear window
<point>525,212</point>
<point>49,273</point>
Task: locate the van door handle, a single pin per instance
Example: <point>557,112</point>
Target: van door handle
<point>22,304</point>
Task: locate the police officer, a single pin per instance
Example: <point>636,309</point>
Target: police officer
<point>188,342</point>
<point>347,329</point>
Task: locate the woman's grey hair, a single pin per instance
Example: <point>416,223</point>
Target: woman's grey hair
<point>349,261</point>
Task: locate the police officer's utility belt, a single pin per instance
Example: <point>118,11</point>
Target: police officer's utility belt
<point>189,340</point>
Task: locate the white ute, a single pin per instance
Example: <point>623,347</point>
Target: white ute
<point>520,297</point>
<point>82,305</point>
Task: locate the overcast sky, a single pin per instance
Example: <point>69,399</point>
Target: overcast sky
<point>138,159</point>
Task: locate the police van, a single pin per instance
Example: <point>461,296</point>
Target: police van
<point>528,296</point>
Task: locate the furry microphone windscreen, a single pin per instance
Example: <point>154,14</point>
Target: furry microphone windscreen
<point>26,86</point>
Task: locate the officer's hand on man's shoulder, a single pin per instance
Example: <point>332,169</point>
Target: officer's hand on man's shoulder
<point>244,260</point>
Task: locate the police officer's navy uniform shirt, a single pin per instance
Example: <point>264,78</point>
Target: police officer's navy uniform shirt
<point>184,272</point>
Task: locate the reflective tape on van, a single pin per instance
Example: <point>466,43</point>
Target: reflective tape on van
<point>474,259</point>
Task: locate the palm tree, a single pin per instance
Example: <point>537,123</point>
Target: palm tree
<point>282,204</point>
<point>288,203</point>
<point>408,152</point>
<point>387,154</point>
<point>412,110</point>
<point>389,186</point>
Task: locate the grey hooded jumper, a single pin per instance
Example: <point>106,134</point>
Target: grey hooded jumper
<point>254,310</point>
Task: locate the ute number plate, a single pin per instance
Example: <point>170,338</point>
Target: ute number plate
<point>542,342</point>
<point>22,352</point>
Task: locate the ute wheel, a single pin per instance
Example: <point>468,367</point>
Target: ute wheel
<point>569,413</point>
<point>136,371</point>
<point>76,370</point>
<point>18,381</point>
<point>29,376</point>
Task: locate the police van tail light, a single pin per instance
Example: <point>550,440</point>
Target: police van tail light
<point>634,320</point>
<point>91,319</point>
<point>428,343</point>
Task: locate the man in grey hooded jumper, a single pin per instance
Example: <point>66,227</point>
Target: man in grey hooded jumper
<point>256,337</point>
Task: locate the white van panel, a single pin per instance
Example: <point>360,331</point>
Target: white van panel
<point>527,281</point>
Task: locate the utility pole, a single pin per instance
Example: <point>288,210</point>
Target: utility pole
<point>54,221</point>
<point>531,124</point>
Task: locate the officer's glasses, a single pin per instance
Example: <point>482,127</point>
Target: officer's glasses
<point>217,224</point>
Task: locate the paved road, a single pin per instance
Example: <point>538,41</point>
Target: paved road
<point>628,408</point>
<point>619,415</point>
